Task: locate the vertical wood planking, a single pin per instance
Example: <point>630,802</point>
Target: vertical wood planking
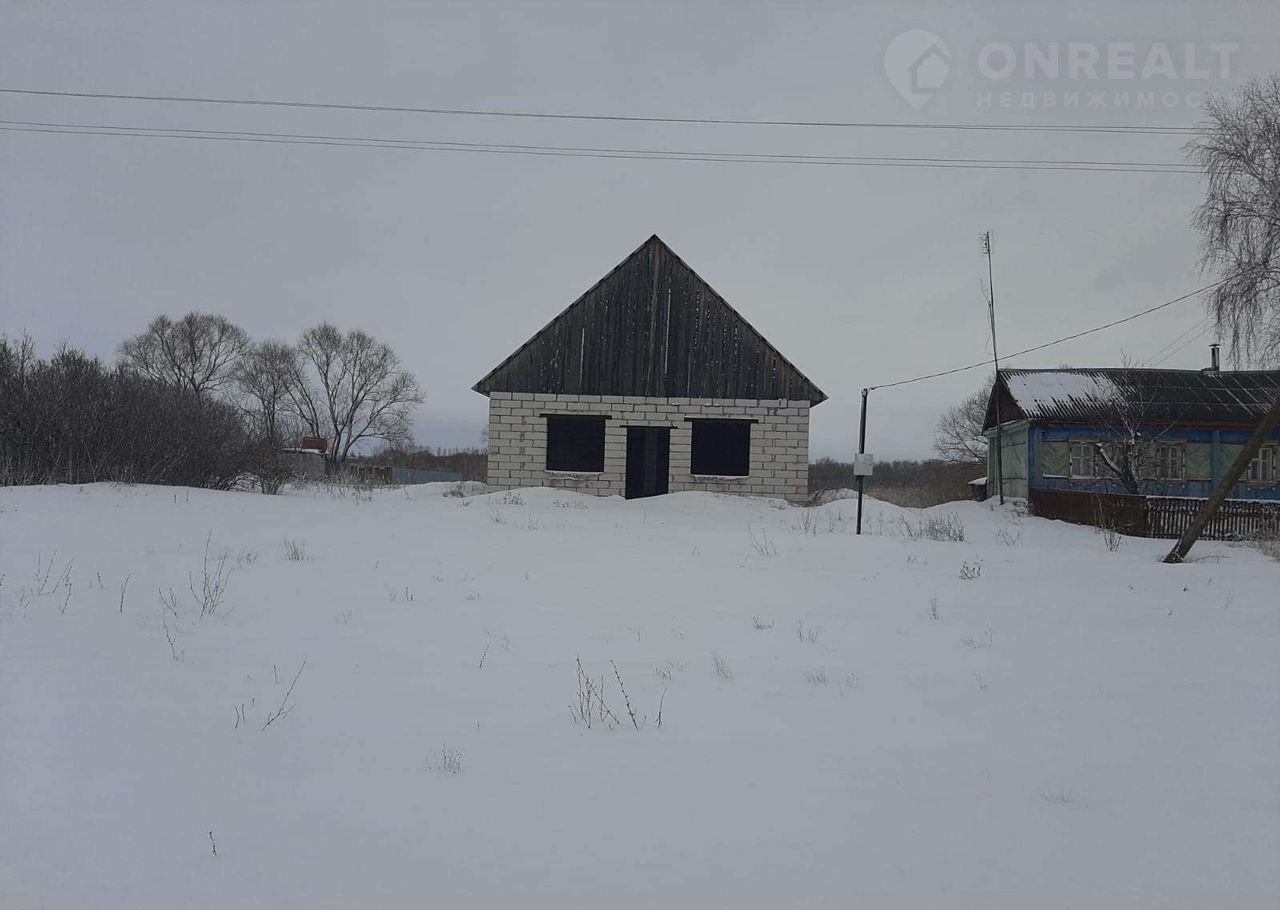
<point>651,327</point>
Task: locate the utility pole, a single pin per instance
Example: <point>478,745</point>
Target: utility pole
<point>862,448</point>
<point>995,356</point>
<point>1225,486</point>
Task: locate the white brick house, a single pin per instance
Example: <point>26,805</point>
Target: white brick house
<point>650,383</point>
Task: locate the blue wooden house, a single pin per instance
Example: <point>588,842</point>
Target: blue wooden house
<point>1177,430</point>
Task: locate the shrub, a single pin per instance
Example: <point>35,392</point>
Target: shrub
<point>71,419</point>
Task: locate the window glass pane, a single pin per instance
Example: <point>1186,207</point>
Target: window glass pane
<point>575,443</point>
<point>721,447</point>
<point>1081,459</point>
<point>1265,468</point>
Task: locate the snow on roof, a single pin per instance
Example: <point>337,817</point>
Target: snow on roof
<point>1034,392</point>
<point>1176,396</point>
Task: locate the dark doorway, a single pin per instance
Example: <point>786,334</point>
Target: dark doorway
<point>648,461</point>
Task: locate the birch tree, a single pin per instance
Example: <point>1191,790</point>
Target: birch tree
<point>1239,221</point>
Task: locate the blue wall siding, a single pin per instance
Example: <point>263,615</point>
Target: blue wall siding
<point>1202,488</point>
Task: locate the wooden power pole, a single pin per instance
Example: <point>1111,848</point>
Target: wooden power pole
<point>1229,480</point>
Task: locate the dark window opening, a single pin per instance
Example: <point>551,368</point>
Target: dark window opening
<point>721,447</point>
<point>575,444</point>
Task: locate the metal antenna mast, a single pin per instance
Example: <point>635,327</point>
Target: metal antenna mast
<point>995,356</point>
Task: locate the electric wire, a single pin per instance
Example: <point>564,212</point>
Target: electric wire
<point>1150,129</point>
<point>1049,344</point>
<point>648,154</point>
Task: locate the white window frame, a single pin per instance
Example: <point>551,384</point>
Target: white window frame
<point>1265,466</point>
<point>1091,448</point>
<point>1159,464</point>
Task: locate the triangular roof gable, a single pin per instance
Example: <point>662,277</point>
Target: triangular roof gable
<point>651,327</point>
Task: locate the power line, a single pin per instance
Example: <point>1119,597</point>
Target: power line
<point>1180,348</point>
<point>438,143</point>
<point>616,118</point>
<point>1057,341</point>
<point>1199,325</point>
<point>23,126</point>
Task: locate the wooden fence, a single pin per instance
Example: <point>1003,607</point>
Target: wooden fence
<point>1157,516</point>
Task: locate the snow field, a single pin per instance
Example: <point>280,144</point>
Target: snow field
<point>845,721</point>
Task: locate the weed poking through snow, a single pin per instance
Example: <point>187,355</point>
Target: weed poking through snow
<point>763,546</point>
<point>722,668</point>
<point>974,644</point>
<point>448,761</point>
<point>283,711</point>
<point>295,550</point>
<point>631,712</point>
<point>809,634</point>
<point>664,671</point>
<point>947,527</point>
<point>1059,793</point>
<point>590,707</point>
<point>213,582</point>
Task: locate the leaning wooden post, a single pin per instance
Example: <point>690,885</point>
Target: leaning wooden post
<point>1229,480</point>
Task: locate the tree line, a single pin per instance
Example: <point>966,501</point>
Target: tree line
<point>194,401</point>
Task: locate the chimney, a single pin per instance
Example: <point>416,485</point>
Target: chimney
<point>1213,357</point>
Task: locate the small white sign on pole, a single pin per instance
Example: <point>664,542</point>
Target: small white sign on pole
<point>863,465</point>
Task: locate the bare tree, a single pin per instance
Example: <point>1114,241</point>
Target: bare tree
<point>1122,454</point>
<point>197,353</point>
<point>1133,422</point>
<point>264,377</point>
<point>349,387</point>
<point>1239,150</point>
<point>959,437</point>
<point>1239,220</point>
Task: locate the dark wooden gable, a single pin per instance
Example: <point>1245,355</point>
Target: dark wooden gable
<point>651,327</point>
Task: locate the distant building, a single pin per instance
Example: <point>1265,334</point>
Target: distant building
<point>1059,429</point>
<point>648,383</point>
<point>306,459</point>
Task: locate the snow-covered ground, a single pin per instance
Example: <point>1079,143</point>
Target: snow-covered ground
<point>844,721</point>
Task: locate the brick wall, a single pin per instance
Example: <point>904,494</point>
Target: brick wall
<point>518,442</point>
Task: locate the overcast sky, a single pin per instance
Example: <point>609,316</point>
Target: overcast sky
<point>860,275</point>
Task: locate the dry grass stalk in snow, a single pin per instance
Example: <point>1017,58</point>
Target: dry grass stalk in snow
<point>722,666</point>
<point>809,633</point>
<point>449,761</point>
<point>817,677</point>
<point>590,706</point>
<point>213,582</point>
<point>762,545</point>
<point>283,711</point>
<point>947,527</point>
